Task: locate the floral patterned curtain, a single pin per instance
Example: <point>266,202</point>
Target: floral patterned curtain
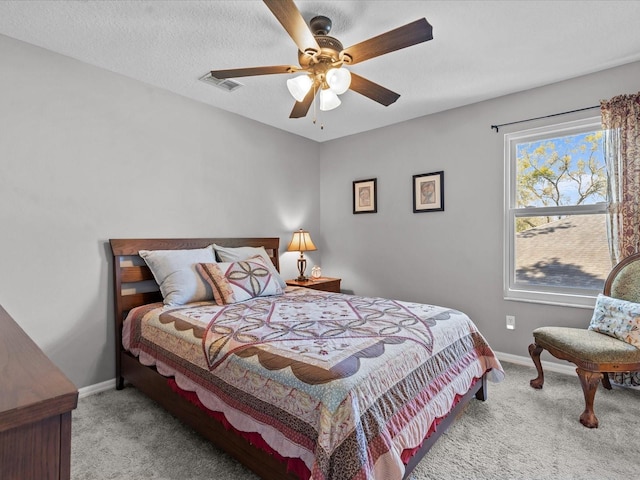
<point>621,121</point>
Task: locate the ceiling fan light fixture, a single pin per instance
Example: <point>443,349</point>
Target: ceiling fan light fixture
<point>299,86</point>
<point>339,80</point>
<point>328,100</point>
<point>322,58</point>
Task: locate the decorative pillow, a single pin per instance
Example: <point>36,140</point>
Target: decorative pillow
<point>234,282</point>
<point>176,274</point>
<point>236,254</point>
<point>617,318</point>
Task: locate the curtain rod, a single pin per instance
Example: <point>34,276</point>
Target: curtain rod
<point>497,127</point>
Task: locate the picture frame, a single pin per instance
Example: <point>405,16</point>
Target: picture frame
<point>428,192</point>
<point>365,196</point>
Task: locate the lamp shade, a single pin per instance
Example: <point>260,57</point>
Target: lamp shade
<point>301,242</point>
<point>328,100</point>
<point>339,80</point>
<point>299,86</point>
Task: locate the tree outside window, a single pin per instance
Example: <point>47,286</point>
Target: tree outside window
<point>556,236</point>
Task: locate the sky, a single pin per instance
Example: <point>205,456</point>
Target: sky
<point>575,145</point>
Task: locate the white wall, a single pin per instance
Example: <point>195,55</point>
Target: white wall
<point>455,257</point>
<point>87,155</point>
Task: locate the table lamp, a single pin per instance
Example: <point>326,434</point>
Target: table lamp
<point>301,242</point>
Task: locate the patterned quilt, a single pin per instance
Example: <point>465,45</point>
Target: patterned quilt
<point>345,383</point>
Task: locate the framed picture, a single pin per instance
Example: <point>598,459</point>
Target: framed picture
<point>428,192</point>
<point>365,196</point>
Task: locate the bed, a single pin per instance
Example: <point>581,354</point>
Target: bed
<point>296,383</point>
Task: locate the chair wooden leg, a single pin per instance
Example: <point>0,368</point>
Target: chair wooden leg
<point>606,383</point>
<point>534,352</point>
<point>589,381</point>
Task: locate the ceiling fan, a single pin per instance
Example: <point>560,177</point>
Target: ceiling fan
<point>323,59</point>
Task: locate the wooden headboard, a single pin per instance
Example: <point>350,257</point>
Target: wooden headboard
<point>133,282</point>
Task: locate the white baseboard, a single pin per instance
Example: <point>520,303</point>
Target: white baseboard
<point>527,362</point>
<point>97,388</point>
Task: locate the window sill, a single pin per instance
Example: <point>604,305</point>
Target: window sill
<point>586,301</point>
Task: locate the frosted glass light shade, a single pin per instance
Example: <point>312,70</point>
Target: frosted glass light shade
<point>339,80</point>
<point>299,86</point>
<point>328,100</point>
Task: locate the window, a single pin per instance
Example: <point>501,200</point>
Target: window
<point>556,247</point>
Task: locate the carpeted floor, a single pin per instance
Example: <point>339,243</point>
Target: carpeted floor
<point>519,433</point>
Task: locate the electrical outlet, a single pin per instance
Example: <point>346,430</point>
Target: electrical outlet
<point>511,322</point>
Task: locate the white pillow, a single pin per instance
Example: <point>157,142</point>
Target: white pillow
<point>176,274</point>
<point>237,254</point>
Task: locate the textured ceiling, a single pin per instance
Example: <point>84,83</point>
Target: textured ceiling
<point>480,50</point>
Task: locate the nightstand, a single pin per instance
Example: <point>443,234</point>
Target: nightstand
<point>325,284</point>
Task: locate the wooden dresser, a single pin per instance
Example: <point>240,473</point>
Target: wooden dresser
<point>36,400</point>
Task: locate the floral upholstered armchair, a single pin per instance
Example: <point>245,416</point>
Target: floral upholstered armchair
<point>609,348</point>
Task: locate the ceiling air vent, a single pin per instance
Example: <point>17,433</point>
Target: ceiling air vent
<point>223,83</point>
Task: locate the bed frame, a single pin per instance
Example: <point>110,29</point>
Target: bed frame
<point>130,276</point>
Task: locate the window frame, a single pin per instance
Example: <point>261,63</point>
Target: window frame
<point>571,297</point>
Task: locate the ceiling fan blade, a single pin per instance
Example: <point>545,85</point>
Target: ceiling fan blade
<point>372,90</point>
<point>300,109</point>
<point>251,71</point>
<point>291,19</point>
<point>402,37</point>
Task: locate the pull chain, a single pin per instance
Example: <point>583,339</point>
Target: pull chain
<point>315,112</point>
